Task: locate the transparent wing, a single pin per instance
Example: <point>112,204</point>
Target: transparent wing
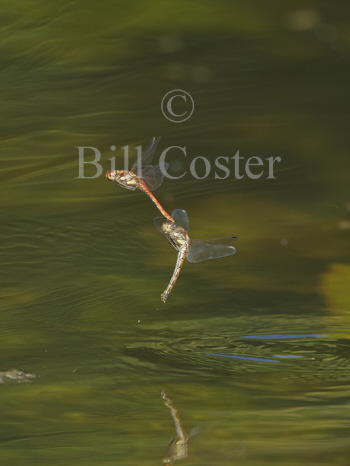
<point>202,251</point>
<point>226,240</point>
<point>147,154</point>
<point>158,222</point>
<point>181,218</point>
<point>153,175</point>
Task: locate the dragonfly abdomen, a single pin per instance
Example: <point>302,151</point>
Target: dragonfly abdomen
<point>180,260</point>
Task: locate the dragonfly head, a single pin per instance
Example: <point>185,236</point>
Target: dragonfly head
<point>167,227</point>
<point>111,175</point>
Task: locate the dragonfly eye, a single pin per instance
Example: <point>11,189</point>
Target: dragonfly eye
<point>110,175</point>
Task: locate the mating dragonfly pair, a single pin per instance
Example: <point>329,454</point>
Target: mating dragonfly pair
<point>175,227</point>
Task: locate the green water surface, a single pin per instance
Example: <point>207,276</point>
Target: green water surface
<point>82,266</point>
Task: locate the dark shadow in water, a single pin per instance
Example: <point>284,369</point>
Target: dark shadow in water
<point>246,358</point>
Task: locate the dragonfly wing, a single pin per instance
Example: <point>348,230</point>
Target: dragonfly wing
<point>158,222</point>
<point>202,251</point>
<point>147,154</point>
<point>226,240</point>
<point>149,177</point>
<point>159,173</point>
<point>181,218</point>
<point>153,175</point>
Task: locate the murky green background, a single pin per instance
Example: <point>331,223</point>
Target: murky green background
<point>82,266</point>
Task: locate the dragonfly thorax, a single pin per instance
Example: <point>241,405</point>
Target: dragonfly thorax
<point>177,236</point>
<point>126,179</point>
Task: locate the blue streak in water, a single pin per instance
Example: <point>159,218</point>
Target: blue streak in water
<point>286,356</point>
<point>242,357</point>
<point>283,337</point>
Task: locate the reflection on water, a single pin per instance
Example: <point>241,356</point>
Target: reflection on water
<point>14,374</point>
<point>82,265</point>
<point>177,448</point>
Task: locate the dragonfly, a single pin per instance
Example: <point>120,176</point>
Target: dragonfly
<point>195,250</point>
<point>142,175</point>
